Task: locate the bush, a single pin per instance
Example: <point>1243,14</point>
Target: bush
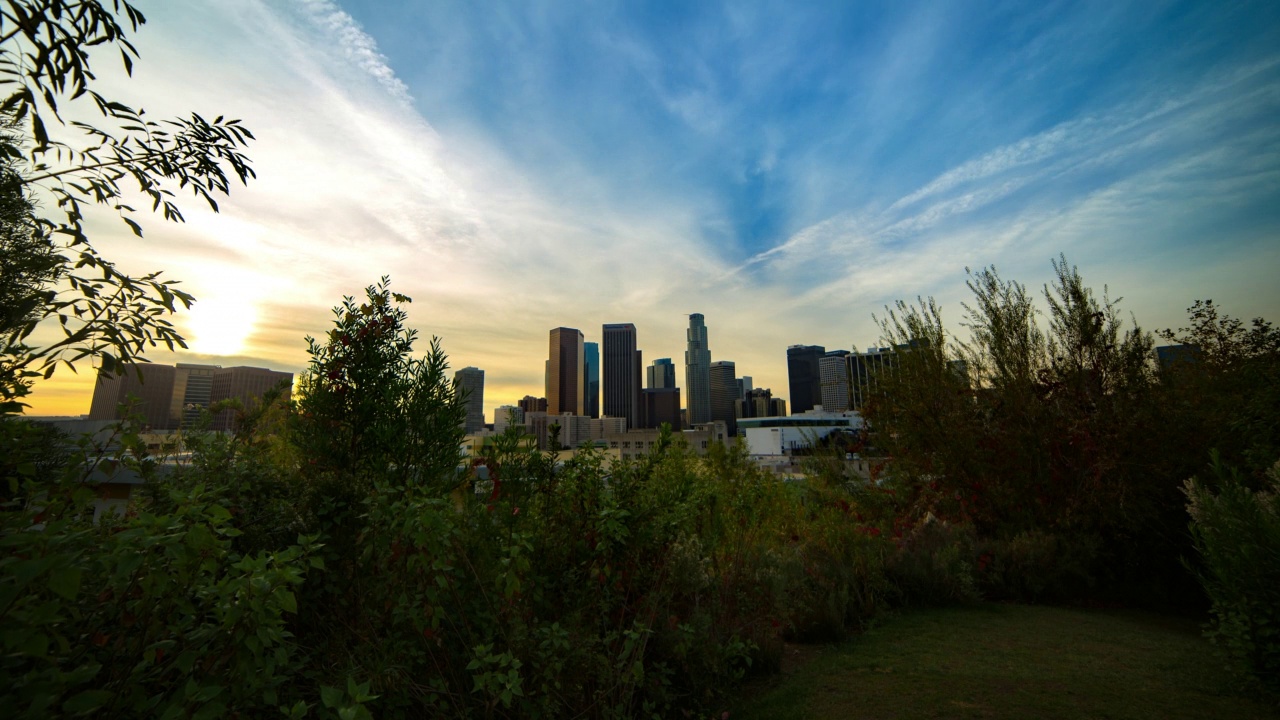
<point>1237,535</point>
<point>934,564</point>
<point>1037,566</point>
<point>150,615</point>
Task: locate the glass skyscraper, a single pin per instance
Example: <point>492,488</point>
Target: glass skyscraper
<point>592,365</point>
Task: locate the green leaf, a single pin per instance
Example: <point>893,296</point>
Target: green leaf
<point>287,601</point>
<point>35,644</point>
<point>330,696</point>
<point>65,581</point>
<point>86,702</point>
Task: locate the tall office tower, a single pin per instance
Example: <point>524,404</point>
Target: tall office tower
<point>566,374</point>
<point>697,369</point>
<point>804,376</point>
<point>724,390</point>
<point>470,382</point>
<point>622,374</point>
<point>246,384</point>
<point>833,371</point>
<point>592,365</point>
<point>530,404</point>
<point>744,386</point>
<point>661,374</point>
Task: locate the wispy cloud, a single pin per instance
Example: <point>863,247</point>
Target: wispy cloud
<point>784,170</point>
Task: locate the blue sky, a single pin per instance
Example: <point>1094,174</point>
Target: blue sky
<point>786,169</point>
<point>777,116</point>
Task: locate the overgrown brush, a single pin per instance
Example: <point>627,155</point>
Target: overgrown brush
<point>1236,532</point>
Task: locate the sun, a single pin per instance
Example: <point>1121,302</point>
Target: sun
<point>220,325</point>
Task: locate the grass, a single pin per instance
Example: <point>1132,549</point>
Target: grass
<point>1012,661</point>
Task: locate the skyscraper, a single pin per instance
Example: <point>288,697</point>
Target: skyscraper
<point>661,374</point>
<point>697,369</point>
<point>470,382</point>
<point>566,374</point>
<point>592,365</point>
<point>622,364</point>
<point>724,390</point>
<point>833,371</point>
<point>804,376</point>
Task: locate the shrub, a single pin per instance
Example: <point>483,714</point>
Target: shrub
<point>1236,532</point>
<point>1037,566</point>
<point>150,615</point>
<point>934,564</point>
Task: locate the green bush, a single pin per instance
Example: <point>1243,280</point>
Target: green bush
<point>149,615</point>
<point>934,564</point>
<point>1037,566</point>
<point>1237,535</point>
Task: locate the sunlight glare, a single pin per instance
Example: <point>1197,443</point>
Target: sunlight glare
<point>220,325</point>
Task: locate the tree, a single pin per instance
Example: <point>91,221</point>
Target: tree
<point>103,313</point>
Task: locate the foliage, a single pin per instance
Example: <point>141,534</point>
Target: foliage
<point>1237,536</point>
<point>102,313</point>
<point>935,565</point>
<point>1226,391</point>
<point>1061,446</point>
<point>153,614</point>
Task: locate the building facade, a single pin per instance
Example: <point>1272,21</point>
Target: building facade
<point>804,377</point>
<point>246,384</point>
<point>661,374</point>
<point>566,372</point>
<point>833,373</point>
<point>724,391</point>
<point>865,369</point>
<point>662,405</point>
<point>469,382</point>
<point>172,397</point>
<point>531,404</point>
<point>697,371</point>
<point>591,364</point>
<point>622,373</point>
<point>759,403</point>
<point>505,415</point>
<point>151,387</point>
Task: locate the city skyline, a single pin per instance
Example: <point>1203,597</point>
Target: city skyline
<point>785,171</point>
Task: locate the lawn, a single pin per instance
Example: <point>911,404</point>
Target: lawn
<point>1009,661</point>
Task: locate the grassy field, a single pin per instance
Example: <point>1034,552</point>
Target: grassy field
<point>1009,661</point>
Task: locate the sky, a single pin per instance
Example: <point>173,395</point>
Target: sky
<point>786,169</point>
